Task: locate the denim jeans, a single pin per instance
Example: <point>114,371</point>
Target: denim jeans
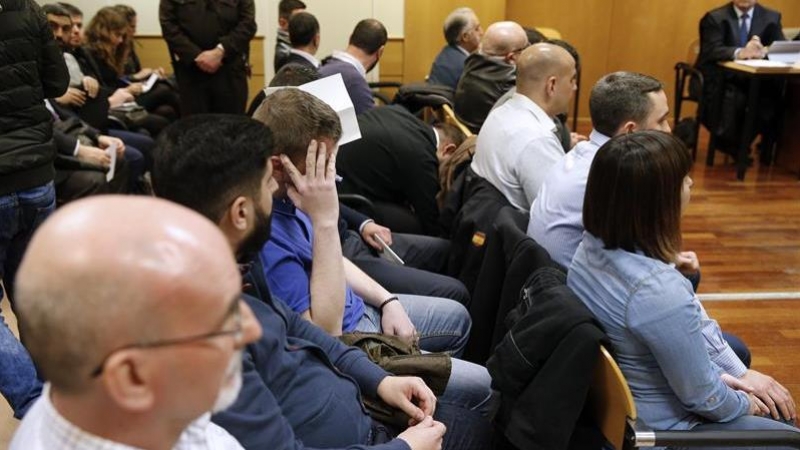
<point>443,325</point>
<point>465,404</point>
<point>20,213</point>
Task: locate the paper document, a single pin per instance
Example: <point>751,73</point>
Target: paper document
<point>331,90</point>
<point>761,63</point>
<point>111,151</point>
<point>150,83</point>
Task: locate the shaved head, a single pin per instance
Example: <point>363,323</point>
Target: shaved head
<point>546,74</point>
<point>111,271</point>
<point>502,38</point>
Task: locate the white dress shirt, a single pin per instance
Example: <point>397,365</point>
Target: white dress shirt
<point>43,428</point>
<point>515,149</point>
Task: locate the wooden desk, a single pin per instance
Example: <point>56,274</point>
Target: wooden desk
<point>756,75</point>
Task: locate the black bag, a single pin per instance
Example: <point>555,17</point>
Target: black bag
<point>416,96</point>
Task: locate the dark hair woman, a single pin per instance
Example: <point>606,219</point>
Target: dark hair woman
<point>624,272</point>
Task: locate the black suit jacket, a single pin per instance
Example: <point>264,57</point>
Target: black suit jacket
<point>719,39</point>
<point>294,58</point>
<point>394,162</point>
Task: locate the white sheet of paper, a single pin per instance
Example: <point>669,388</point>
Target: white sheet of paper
<point>150,83</point>
<point>331,90</point>
<point>761,63</point>
<point>111,151</point>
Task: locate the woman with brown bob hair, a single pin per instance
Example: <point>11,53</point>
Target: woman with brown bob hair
<point>624,272</point>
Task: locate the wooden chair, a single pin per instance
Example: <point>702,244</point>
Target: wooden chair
<point>612,405</point>
<point>450,117</point>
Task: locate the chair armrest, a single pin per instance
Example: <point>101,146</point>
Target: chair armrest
<point>384,84</point>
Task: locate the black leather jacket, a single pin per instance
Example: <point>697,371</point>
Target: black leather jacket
<point>485,79</point>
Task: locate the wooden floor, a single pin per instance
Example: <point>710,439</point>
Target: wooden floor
<point>747,237</point>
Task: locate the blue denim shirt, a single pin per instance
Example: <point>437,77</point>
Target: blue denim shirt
<point>650,313</point>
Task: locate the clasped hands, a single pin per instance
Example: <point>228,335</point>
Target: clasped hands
<point>753,50</point>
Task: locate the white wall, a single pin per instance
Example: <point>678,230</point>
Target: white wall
<point>336,17</point>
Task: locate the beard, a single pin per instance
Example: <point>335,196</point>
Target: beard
<point>253,243</point>
<point>232,384</point>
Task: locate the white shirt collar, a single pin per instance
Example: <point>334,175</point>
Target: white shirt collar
<point>347,57</point>
<point>463,50</point>
<point>536,110</point>
<point>308,56</point>
<point>599,139</point>
<point>739,13</point>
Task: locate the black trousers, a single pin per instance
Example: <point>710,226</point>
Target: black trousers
<point>222,92</point>
<point>424,256</point>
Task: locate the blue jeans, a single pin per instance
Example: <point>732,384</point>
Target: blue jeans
<point>20,213</point>
<point>443,325</point>
<point>744,423</point>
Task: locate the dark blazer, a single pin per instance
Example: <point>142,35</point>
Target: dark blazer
<point>394,162</point>
<point>447,67</point>
<point>192,27</point>
<point>484,80</point>
<point>294,58</point>
<point>719,39</point>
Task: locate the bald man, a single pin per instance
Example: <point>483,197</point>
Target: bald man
<point>489,73</point>
<point>138,337</point>
<point>518,143</point>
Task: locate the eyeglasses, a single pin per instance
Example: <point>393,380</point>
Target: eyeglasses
<point>233,314</point>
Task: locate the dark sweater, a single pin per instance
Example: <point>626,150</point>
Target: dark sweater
<point>301,388</point>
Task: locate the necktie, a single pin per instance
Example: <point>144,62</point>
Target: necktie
<point>743,31</point>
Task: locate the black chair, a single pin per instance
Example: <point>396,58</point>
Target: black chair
<point>380,97</point>
<point>688,87</point>
<point>361,204</point>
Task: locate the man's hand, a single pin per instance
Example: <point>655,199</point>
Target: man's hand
<point>119,97</point>
<point>575,138</point>
<point>73,97</point>
<point>778,399</point>
<point>105,141</point>
<point>209,61</point>
<point>410,395</point>
<point>687,263</point>
<point>395,321</point>
<point>427,435</point>
<point>315,192</point>
<point>94,155</point>
<point>373,228</point>
<point>91,86</point>
<point>753,50</point>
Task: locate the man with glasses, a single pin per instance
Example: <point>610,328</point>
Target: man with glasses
<point>139,338</point>
<point>489,73</point>
<point>518,144</point>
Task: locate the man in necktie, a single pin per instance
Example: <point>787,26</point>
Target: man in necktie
<point>741,29</point>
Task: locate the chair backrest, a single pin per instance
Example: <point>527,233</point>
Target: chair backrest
<point>450,117</point>
<point>610,399</point>
<point>693,51</point>
<point>549,33</point>
<point>791,33</point>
